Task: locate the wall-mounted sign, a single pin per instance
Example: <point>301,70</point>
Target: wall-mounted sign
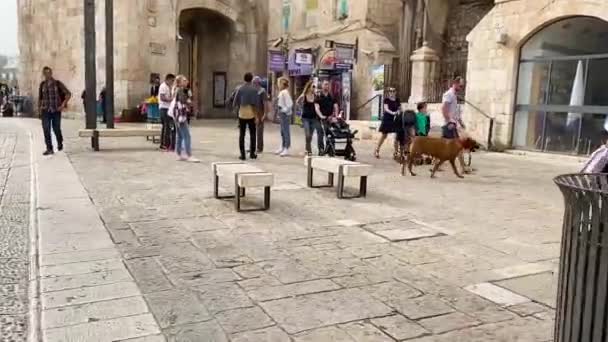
<point>303,58</point>
<point>276,61</point>
<point>158,49</point>
<point>345,53</point>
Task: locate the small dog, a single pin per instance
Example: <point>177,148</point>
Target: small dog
<point>440,149</point>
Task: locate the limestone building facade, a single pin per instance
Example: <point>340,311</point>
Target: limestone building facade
<point>213,42</point>
<point>538,68</point>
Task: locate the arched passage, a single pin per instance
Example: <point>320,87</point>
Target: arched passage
<point>561,98</point>
<point>205,43</point>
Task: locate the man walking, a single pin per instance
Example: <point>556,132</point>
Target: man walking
<point>454,126</point>
<point>165,94</point>
<point>260,112</point>
<point>53,97</point>
<point>326,107</point>
<point>247,101</point>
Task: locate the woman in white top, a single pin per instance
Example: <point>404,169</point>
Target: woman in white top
<point>285,104</point>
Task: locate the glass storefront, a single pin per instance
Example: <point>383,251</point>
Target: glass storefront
<point>562,92</point>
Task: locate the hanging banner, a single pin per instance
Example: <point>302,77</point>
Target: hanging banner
<point>345,56</point>
<point>276,61</point>
<point>346,88</point>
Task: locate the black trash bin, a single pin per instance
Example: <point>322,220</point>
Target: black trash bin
<point>582,298</point>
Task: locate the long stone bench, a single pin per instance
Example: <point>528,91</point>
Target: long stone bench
<point>244,176</point>
<point>95,134</point>
<point>343,169</point>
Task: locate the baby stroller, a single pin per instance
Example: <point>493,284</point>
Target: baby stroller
<point>339,139</point>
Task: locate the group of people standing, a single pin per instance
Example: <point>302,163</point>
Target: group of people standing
<point>408,124</point>
<point>175,106</point>
<point>251,104</point>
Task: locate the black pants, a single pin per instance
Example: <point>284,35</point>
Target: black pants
<point>167,135</point>
<point>243,124</point>
<point>52,120</point>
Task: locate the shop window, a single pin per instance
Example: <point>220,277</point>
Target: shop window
<point>562,102</point>
<point>341,9</point>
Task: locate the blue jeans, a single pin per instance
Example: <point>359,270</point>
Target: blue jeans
<point>183,138</point>
<point>310,126</point>
<point>52,120</point>
<point>285,130</point>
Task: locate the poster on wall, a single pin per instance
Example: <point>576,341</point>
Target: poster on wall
<point>219,89</point>
<point>346,90</point>
<point>312,11</point>
<point>377,89</point>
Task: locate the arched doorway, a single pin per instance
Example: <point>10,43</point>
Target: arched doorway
<point>562,90</point>
<point>206,42</point>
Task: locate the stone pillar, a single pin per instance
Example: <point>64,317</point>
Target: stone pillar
<point>424,73</point>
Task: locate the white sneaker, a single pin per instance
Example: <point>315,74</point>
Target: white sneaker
<point>285,153</point>
<point>279,151</point>
<point>193,160</point>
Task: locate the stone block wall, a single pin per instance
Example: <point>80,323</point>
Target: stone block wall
<point>461,19</point>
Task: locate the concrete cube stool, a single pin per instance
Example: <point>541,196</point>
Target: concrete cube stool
<point>244,176</point>
<point>343,168</point>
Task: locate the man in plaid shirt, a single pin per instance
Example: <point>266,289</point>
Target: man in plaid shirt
<point>53,97</point>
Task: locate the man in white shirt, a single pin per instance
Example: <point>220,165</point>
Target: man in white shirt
<point>165,97</point>
<point>454,126</point>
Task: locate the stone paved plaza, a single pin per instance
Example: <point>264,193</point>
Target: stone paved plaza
<point>417,260</point>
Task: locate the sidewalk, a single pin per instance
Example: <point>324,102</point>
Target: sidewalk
<point>83,292</point>
<point>133,244</point>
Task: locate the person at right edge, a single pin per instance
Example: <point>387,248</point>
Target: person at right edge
<point>247,101</point>
<point>53,98</point>
<point>454,126</point>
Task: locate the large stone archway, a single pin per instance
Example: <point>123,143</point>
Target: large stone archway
<point>217,45</point>
<point>494,48</point>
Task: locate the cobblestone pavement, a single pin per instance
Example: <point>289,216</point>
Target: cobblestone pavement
<point>14,228</point>
<point>417,260</point>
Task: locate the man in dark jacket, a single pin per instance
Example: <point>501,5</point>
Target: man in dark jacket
<point>53,98</point>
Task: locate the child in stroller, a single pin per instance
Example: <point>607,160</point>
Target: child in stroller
<point>339,139</point>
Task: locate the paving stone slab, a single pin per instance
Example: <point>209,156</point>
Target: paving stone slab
<point>523,270</point>
<point>528,309</point>
<point>176,307</point>
<point>292,290</point>
<point>261,282</point>
<point>221,297</point>
<point>328,334</point>
<point>62,243</point>
<point>93,312</point>
<point>148,274</point>
<point>59,283</point>
<point>398,235</point>
<point>364,332</point>
<point>240,320</point>
<point>111,330</point>
<point>207,277</point>
<point>151,338</point>
<point>79,268</point>
<point>316,310</point>
<point>272,334</point>
<point>541,287</point>
<point>14,327</point>
<point>79,256</point>
<point>88,295</point>
<point>449,322</point>
<point>205,331</point>
<point>497,294</point>
<point>399,327</point>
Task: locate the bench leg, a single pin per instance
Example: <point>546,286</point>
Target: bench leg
<point>267,198</point>
<point>237,193</point>
<point>363,186</point>
<point>340,188</point>
<point>216,185</point>
<point>310,172</point>
<point>95,141</point>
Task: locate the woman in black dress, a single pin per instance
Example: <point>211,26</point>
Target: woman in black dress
<point>392,107</point>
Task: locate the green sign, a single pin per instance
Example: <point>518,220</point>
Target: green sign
<point>286,14</point>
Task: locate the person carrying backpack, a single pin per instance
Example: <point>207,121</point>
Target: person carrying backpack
<point>53,98</point>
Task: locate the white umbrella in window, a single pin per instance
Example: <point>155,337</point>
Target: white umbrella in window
<point>578,94</point>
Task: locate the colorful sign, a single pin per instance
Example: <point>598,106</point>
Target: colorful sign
<point>276,61</point>
<point>303,58</point>
<point>377,89</point>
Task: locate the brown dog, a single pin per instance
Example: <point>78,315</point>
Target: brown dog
<point>440,149</point>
